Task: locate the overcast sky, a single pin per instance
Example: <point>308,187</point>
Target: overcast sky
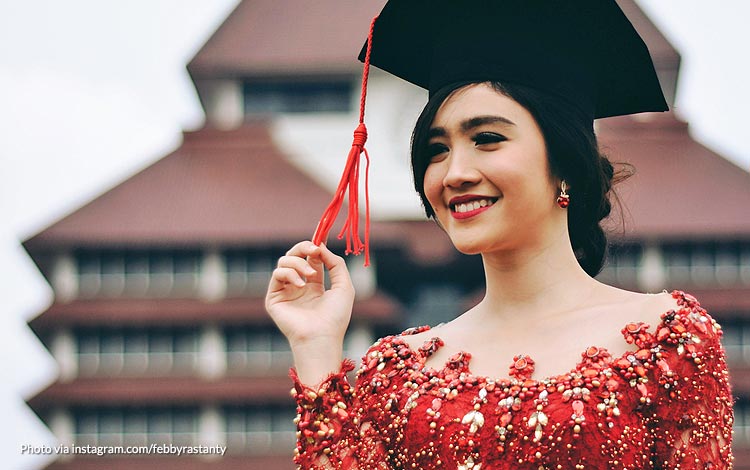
<point>92,91</point>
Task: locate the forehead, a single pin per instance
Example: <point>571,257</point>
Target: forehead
<point>479,99</point>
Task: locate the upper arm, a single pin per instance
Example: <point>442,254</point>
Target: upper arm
<point>693,417</point>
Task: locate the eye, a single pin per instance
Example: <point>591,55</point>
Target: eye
<point>435,151</point>
<point>487,138</point>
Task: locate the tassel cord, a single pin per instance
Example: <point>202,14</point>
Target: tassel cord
<point>350,181</point>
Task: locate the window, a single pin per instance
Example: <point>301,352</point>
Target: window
<point>135,428</point>
<point>745,263</point>
<point>257,350</point>
<point>436,303</point>
<point>131,426</point>
<point>248,272</point>
<point>112,274</point>
<point>736,341</point>
<point>707,263</point>
<point>261,430</point>
<point>298,96</point>
<point>137,351</point>
<point>622,265</point>
<point>741,423</point>
<point>185,268</point>
<point>161,274</point>
<point>137,273</point>
<point>89,274</point>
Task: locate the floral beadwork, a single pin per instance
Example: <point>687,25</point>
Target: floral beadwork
<point>667,404</point>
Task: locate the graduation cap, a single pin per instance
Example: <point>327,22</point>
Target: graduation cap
<point>585,52</point>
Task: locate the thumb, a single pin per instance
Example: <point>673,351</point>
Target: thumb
<point>317,264</point>
<point>337,269</point>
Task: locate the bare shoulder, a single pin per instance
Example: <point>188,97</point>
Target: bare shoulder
<point>636,307</point>
<point>656,303</point>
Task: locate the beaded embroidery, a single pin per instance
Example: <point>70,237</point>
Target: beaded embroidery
<point>666,405</point>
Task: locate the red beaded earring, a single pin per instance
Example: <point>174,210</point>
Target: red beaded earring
<point>563,200</point>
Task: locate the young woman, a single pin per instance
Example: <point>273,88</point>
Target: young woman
<point>552,369</point>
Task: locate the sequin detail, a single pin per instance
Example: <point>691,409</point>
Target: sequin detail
<point>665,405</point>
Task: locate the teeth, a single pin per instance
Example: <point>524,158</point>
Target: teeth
<point>472,205</point>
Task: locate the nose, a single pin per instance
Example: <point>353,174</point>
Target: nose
<point>461,170</point>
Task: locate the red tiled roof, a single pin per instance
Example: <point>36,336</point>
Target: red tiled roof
<point>680,189</point>
<point>379,308</point>
<point>221,187</point>
<point>264,37</point>
<point>261,37</point>
<point>722,302</point>
<point>147,391</point>
<point>235,187</point>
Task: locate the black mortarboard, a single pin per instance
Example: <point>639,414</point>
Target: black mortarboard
<point>584,51</point>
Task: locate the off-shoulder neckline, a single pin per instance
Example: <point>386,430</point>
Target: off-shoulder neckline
<point>637,331</point>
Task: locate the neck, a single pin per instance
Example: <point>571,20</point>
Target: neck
<point>529,281</point>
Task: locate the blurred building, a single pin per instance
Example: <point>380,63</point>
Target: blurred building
<point>158,324</point>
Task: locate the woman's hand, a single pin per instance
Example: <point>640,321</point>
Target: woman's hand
<point>313,319</point>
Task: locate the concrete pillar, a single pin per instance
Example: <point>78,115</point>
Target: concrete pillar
<point>212,361</point>
<point>211,431</point>
<point>213,277</point>
<point>363,278</point>
<point>358,339</point>
<point>62,425</point>
<point>64,278</point>
<point>63,349</point>
<point>652,276</point>
<point>225,104</point>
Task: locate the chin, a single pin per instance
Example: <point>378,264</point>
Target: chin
<point>469,246</point>
<point>468,251</point>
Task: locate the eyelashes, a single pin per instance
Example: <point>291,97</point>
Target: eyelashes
<point>487,140</point>
<point>484,138</point>
<point>436,149</point>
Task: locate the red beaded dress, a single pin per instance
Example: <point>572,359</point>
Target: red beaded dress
<point>666,405</point>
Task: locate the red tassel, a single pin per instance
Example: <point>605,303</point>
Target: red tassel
<point>350,181</point>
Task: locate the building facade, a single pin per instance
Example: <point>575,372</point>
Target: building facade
<point>158,324</point>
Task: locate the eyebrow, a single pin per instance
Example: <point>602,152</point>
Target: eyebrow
<point>472,123</point>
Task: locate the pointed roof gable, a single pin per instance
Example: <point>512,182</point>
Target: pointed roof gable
<point>263,37</point>
<point>218,187</point>
<point>680,189</point>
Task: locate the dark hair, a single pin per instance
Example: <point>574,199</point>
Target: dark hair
<point>573,156</point>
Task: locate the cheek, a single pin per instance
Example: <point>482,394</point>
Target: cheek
<point>433,187</point>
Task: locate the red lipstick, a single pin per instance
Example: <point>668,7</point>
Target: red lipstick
<point>470,205</point>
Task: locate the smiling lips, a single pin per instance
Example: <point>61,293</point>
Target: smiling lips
<point>464,207</point>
